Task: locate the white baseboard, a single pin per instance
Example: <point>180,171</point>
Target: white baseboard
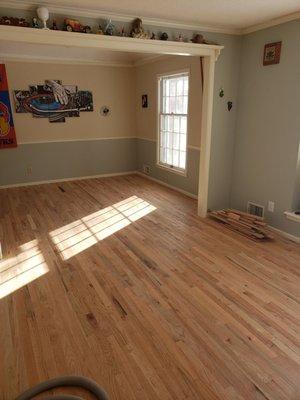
<point>66,179</point>
<point>193,196</point>
<point>295,239</point>
<point>76,178</point>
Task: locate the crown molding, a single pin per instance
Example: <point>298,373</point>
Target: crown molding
<point>29,5</point>
<point>272,22</point>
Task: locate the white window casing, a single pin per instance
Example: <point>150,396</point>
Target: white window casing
<point>173,96</point>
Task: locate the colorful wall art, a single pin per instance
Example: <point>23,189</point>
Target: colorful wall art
<point>53,100</point>
<point>7,130</point>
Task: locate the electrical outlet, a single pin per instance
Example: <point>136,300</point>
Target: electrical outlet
<point>146,169</point>
<point>29,170</point>
<point>271,206</point>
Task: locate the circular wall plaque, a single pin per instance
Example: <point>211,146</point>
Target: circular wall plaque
<point>104,111</point>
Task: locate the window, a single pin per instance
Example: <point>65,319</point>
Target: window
<point>173,114</point>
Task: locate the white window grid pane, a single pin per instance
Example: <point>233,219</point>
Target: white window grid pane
<point>176,124</point>
<point>182,139</point>
<point>176,141</point>
<point>185,86</point>
<point>172,138</point>
<point>175,91</point>
<point>182,160</point>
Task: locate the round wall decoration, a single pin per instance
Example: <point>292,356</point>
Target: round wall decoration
<point>104,111</point>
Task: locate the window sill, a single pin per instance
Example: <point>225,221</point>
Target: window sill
<point>174,170</point>
<point>292,216</point>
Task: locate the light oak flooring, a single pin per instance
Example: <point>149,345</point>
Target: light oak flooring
<point>126,285</point>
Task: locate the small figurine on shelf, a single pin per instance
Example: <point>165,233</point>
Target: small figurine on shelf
<point>72,25</point>
<point>109,28</point>
<point>54,26</point>
<point>35,23</point>
<point>123,32</point>
<point>164,36</point>
<point>179,38</point>
<point>13,21</point>
<point>199,39</point>
<point>153,36</point>
<point>137,30</point>
<point>100,30</point>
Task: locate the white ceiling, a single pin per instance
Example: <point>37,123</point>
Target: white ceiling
<point>230,14</point>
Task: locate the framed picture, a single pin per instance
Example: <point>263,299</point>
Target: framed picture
<point>7,129</point>
<point>145,101</point>
<point>272,53</point>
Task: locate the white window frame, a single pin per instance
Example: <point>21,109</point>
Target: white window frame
<point>176,170</point>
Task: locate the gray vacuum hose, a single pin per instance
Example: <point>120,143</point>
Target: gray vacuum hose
<point>78,381</point>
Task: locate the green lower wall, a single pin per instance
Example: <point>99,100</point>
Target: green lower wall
<point>70,159</point>
<point>59,160</point>
<point>146,154</point>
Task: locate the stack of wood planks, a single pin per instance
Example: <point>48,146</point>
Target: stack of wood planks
<point>247,224</point>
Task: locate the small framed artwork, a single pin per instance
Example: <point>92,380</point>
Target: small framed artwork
<point>145,101</point>
<point>272,53</point>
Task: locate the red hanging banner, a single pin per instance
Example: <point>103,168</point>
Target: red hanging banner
<point>7,129</point>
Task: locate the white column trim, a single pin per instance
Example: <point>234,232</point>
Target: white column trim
<point>206,127</point>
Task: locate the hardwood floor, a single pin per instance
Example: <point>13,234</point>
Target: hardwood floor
<point>128,286</point>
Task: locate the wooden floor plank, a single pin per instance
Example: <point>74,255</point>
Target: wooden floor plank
<point>136,291</point>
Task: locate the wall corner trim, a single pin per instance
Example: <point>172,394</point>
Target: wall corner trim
<point>270,23</point>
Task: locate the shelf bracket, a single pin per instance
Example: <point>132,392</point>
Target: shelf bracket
<point>217,53</point>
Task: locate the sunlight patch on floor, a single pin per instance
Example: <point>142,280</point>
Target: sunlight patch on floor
<point>79,235</point>
<point>18,271</point>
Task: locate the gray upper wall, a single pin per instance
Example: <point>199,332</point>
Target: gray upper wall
<point>268,125</point>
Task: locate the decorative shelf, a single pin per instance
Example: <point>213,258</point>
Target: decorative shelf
<point>292,216</point>
<point>11,36</point>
